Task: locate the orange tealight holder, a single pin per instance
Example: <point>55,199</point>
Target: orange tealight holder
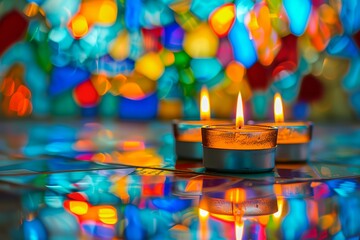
<point>188,133</point>
<point>294,138</point>
<point>239,148</point>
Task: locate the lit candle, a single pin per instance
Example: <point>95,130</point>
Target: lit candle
<point>293,137</point>
<point>239,148</point>
<point>188,133</point>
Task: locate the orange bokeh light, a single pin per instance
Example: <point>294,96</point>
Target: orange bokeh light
<point>8,87</point>
<point>235,71</point>
<point>16,97</point>
<point>99,11</point>
<point>101,83</point>
<point>107,12</point>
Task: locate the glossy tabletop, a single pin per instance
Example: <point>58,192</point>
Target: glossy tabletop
<point>122,180</point>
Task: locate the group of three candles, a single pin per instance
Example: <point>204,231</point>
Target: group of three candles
<point>240,148</point>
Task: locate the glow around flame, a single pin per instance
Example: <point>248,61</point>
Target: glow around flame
<point>204,104</point>
<point>239,112</point>
<point>278,108</point>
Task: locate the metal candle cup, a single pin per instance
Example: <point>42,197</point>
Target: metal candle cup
<point>293,141</point>
<point>293,137</point>
<point>246,150</point>
<point>188,138</point>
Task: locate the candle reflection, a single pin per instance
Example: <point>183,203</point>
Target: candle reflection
<point>203,224</point>
<point>239,228</point>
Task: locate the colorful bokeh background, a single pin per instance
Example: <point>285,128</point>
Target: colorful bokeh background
<point>148,59</point>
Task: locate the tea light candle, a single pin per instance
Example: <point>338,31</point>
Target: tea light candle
<point>239,148</point>
<point>188,133</point>
<point>293,137</point>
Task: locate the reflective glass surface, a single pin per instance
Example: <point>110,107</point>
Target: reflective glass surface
<point>121,180</point>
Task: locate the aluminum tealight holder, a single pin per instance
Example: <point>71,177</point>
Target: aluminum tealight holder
<point>188,138</point>
<point>249,149</point>
<point>294,139</point>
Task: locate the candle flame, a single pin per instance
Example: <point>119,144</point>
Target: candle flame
<point>204,104</point>
<point>278,108</point>
<point>239,112</point>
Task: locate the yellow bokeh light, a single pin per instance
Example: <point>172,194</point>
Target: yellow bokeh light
<point>133,145</point>
<point>79,26</point>
<point>222,19</point>
<point>107,12</point>
<point>108,215</point>
<point>101,83</point>
<point>278,108</point>
<point>132,90</point>
<point>120,47</point>
<point>31,9</point>
<point>78,207</point>
<point>99,11</point>
<point>235,71</point>
<point>150,65</point>
<point>167,57</point>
